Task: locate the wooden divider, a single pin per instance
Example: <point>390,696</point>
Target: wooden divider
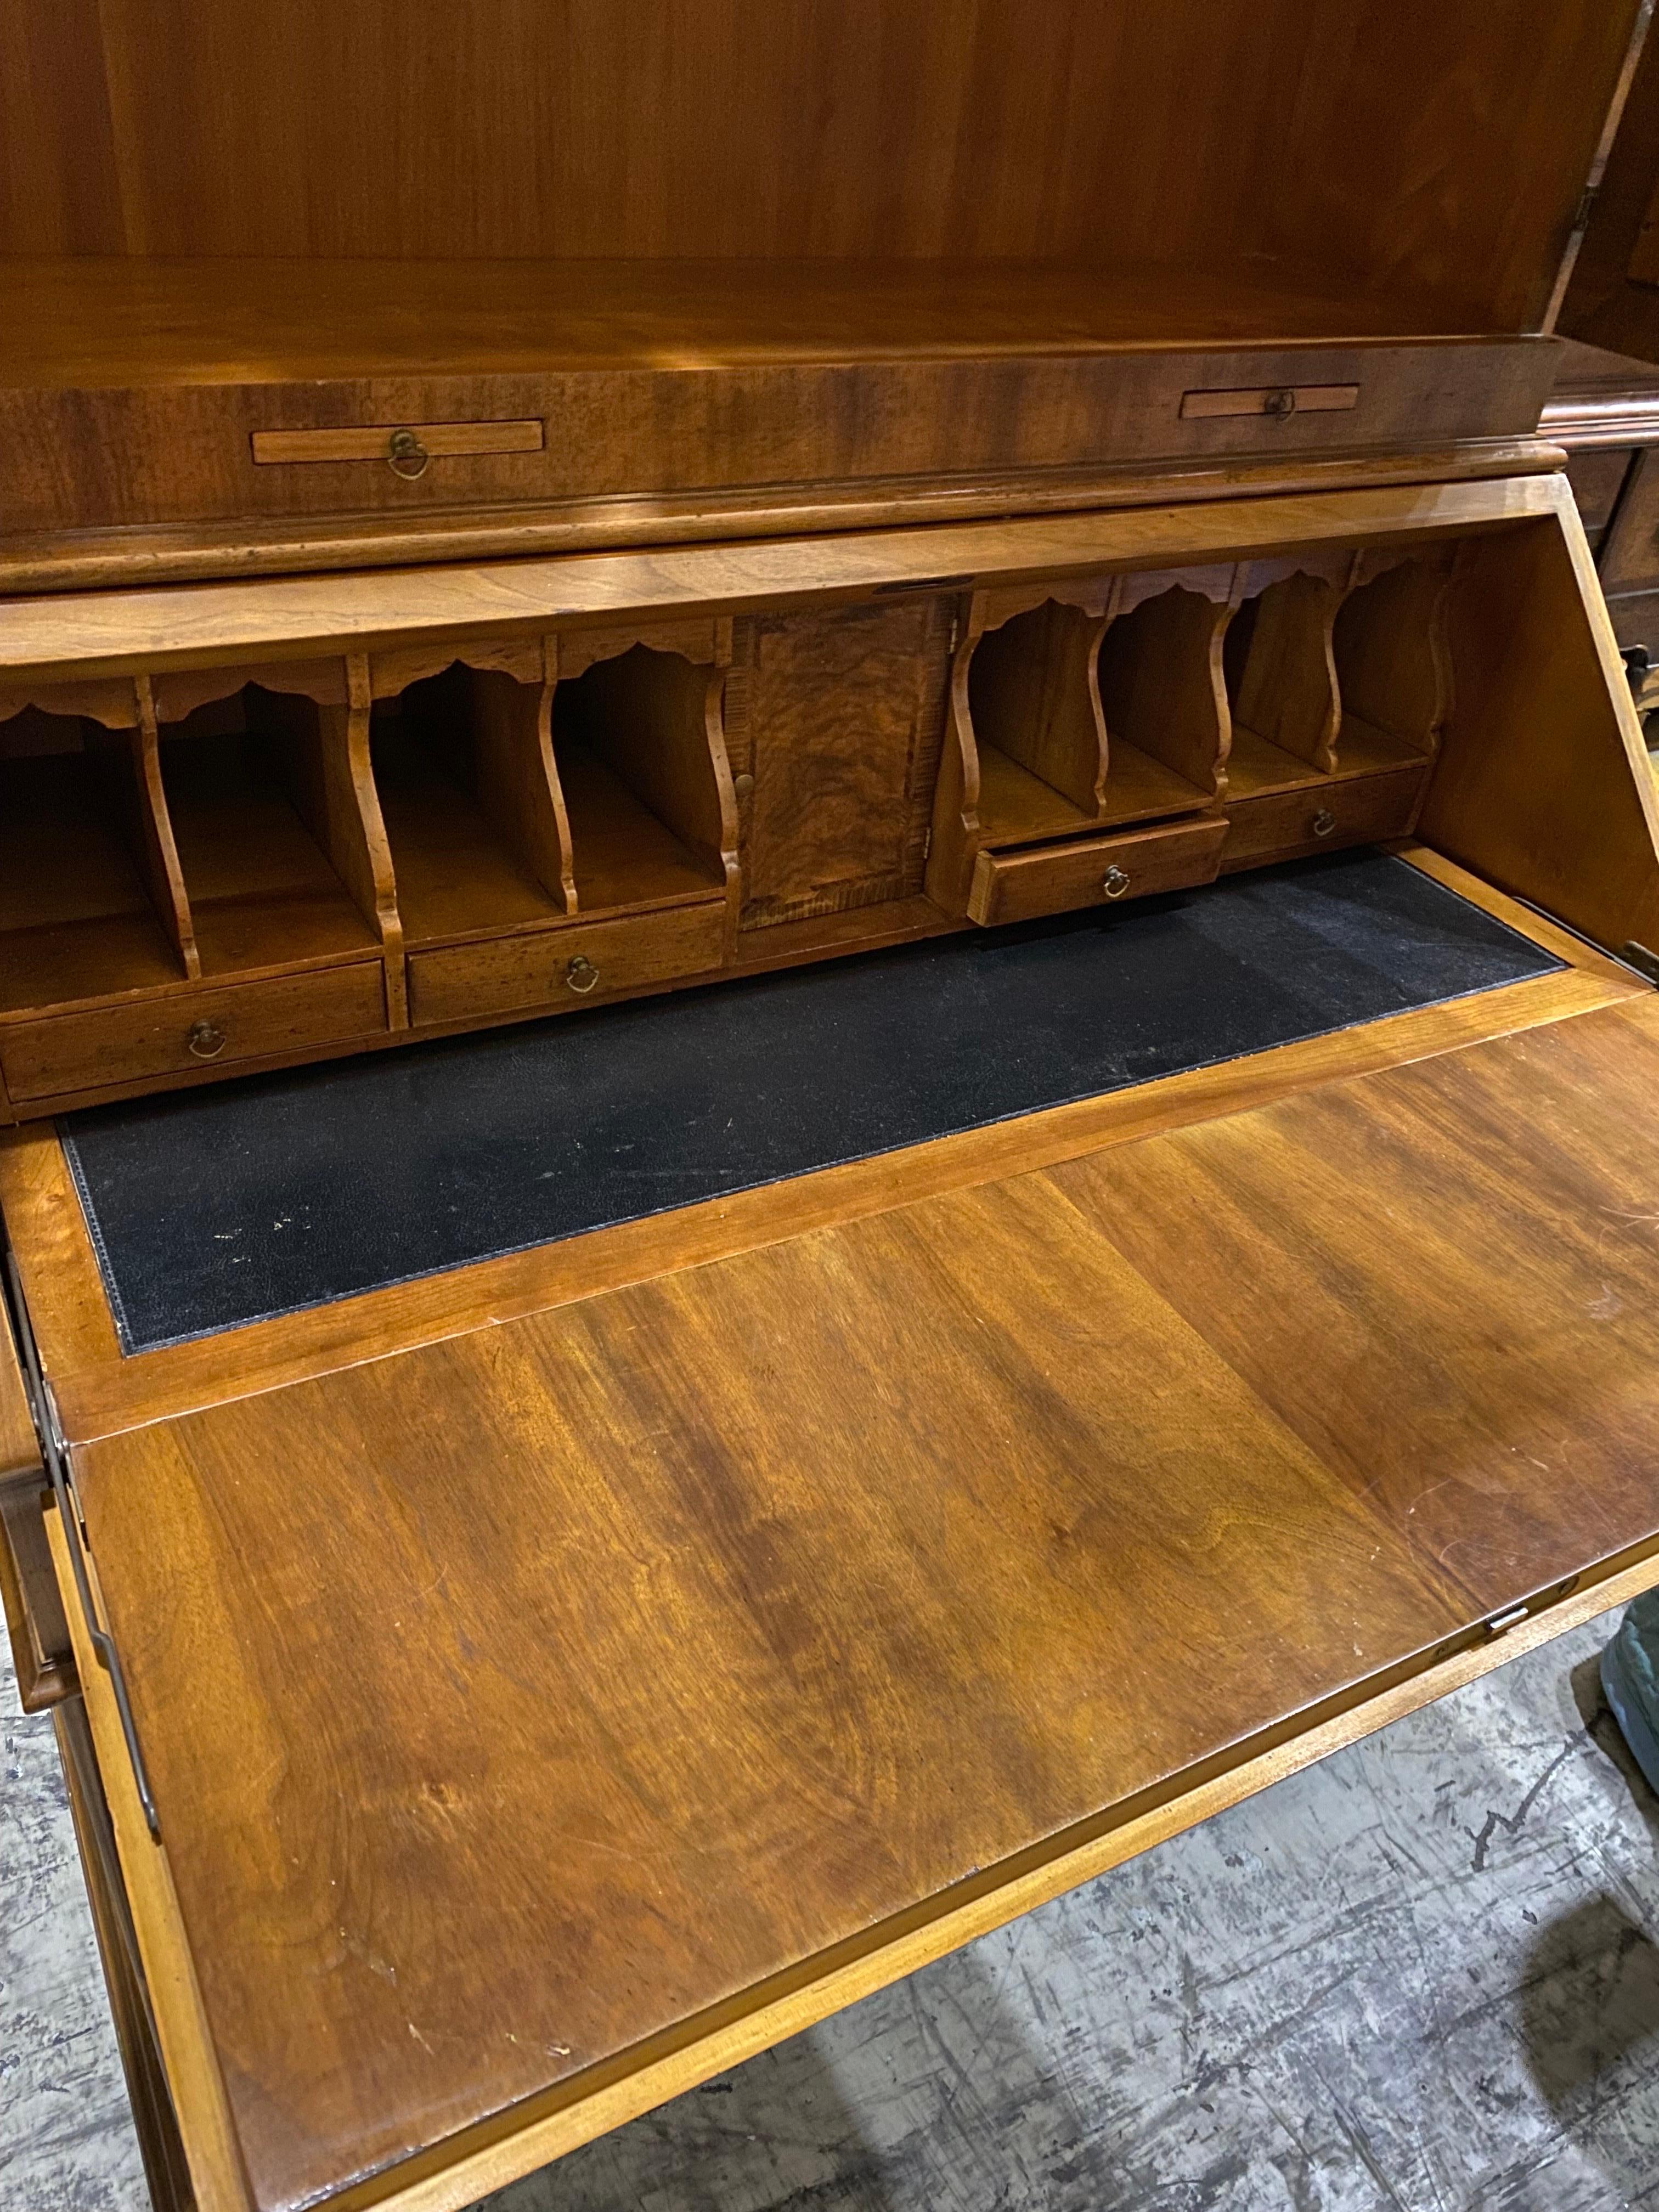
<point>518,784</point>
<point>136,769</point>
<point>1164,693</point>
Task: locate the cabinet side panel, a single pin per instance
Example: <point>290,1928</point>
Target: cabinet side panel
<point>1542,784</point>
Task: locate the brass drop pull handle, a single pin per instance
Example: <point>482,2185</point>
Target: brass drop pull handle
<point>205,1041</point>
<point>1324,823</point>
<point>581,974</point>
<point>1115,882</point>
<point>406,456</point>
<point>1280,405</point>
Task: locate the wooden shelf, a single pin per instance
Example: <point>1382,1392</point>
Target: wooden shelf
<point>1158,676</point>
<point>263,894</point>
<point>624,856</point>
<point>1362,749</point>
<point>1051,764</point>
<point>1256,766</point>
<point>456,876</point>
<point>1015,806</point>
<point>101,321</point>
<point>1139,788</point>
<point>75,919</point>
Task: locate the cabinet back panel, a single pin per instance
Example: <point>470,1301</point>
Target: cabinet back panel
<point>1410,146</point>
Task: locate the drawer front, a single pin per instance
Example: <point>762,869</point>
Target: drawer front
<point>683,434</point>
<point>579,965</point>
<point>179,1035</point>
<point>1320,817</point>
<point>1099,871</point>
<point>1629,551</point>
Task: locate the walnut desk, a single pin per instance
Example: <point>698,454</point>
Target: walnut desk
<point>827,941</point>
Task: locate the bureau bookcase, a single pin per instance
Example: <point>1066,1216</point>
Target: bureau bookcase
<point>828,918</point>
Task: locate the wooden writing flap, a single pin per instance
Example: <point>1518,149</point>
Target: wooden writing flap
<point>540,1719</point>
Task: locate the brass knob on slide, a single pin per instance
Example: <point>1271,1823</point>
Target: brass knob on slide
<point>1324,823</point>
<point>581,974</point>
<point>1280,405</point>
<point>205,1041</point>
<point>406,456</point>
<point>1115,882</point>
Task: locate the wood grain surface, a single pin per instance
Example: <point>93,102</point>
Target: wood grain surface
<point>648,1648</point>
<point>919,1528</point>
<point>19,1449</point>
<point>846,712</point>
<point>36,560</point>
<point>32,1602</point>
<point>1114,136</point>
<point>59,638</point>
<point>1542,761</point>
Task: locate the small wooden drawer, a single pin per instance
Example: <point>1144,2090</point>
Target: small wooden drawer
<point>1097,872</point>
<point>577,965</point>
<point>191,1029</point>
<point>1320,817</point>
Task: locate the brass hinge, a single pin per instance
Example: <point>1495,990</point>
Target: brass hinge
<point>1644,963</point>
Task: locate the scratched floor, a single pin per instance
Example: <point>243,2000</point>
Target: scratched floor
<point>1423,1978</point>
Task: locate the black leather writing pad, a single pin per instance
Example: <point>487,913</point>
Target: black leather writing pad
<point>229,1205</point>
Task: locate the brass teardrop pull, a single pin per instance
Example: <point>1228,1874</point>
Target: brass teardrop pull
<point>205,1041</point>
<point>581,974</point>
<point>406,456</point>
<point>1115,882</point>
<point>1324,823</point>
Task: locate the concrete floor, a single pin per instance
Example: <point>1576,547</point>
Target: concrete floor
<point>1423,1978</point>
